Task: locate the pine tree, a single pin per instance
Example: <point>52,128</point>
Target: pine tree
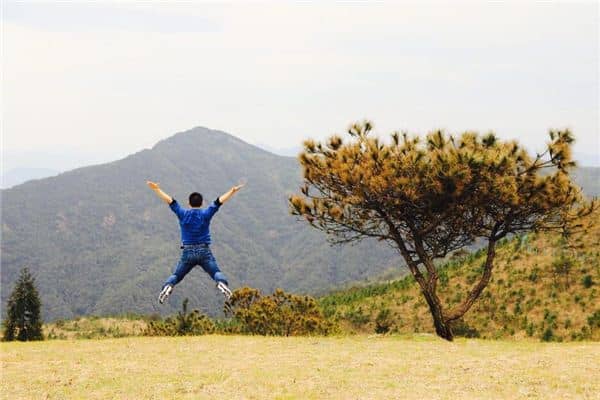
<point>430,198</point>
<point>23,320</point>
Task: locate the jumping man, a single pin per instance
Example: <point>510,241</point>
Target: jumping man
<point>195,237</point>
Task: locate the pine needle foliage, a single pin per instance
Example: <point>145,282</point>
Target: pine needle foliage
<point>430,197</point>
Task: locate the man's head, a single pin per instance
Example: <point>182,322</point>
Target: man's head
<point>195,200</point>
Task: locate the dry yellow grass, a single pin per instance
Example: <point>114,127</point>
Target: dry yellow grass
<point>358,367</point>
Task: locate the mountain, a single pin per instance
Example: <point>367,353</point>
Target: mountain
<point>100,242</point>
<point>16,176</point>
<point>587,159</point>
<point>542,286</point>
<point>286,151</point>
<point>588,178</point>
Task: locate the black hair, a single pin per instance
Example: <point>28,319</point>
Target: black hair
<point>196,199</point>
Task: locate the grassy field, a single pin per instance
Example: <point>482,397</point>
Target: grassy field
<point>358,367</point>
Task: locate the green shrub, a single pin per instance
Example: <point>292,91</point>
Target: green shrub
<point>587,281</point>
<point>563,265</point>
<point>534,275</point>
<point>550,318</point>
<point>530,330</point>
<point>357,317</point>
<point>594,320</point>
<point>383,321</point>
<point>443,277</point>
<point>518,309</point>
<point>548,335</point>
<point>461,328</point>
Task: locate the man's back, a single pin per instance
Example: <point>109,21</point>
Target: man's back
<point>195,222</point>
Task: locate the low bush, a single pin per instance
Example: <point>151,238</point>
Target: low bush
<point>279,314</point>
<point>383,321</point>
<point>461,328</point>
<point>183,324</point>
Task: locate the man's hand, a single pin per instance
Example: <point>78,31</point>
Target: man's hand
<point>152,185</point>
<point>223,199</point>
<point>237,188</point>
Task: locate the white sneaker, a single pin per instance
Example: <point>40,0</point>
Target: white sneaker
<point>224,289</point>
<point>164,294</point>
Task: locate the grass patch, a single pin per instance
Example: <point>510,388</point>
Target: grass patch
<point>252,367</point>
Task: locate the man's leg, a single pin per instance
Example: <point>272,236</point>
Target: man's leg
<point>184,266</point>
<point>209,264</point>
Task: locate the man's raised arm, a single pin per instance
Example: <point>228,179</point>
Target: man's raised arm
<point>165,197</point>
<point>231,192</point>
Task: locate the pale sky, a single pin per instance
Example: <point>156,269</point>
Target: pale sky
<point>89,82</point>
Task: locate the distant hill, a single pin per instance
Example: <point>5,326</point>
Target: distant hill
<point>100,242</point>
<point>16,176</point>
<point>287,151</point>
<point>587,159</point>
<point>528,296</point>
<point>589,180</point>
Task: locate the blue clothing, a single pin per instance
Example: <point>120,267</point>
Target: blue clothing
<point>192,256</point>
<point>195,222</point>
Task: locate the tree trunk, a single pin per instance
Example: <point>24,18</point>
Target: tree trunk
<point>460,310</point>
<point>428,287</point>
<point>442,327</point>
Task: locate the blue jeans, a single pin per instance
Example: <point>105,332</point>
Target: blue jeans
<point>192,256</point>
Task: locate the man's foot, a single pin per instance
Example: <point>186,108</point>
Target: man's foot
<point>224,289</point>
<point>164,294</point>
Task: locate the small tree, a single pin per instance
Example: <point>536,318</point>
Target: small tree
<point>563,265</point>
<point>23,321</point>
<point>429,199</point>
